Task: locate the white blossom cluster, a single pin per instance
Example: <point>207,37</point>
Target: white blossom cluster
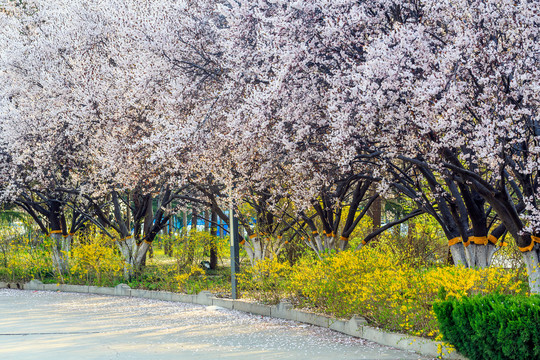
<point>275,96</point>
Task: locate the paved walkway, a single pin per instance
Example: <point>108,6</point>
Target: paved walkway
<point>52,325</point>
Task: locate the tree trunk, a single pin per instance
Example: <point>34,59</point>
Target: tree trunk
<point>191,242</point>
<point>128,249</point>
<point>213,245</point>
<point>59,247</point>
<point>184,223</point>
<point>375,211</point>
<point>206,223</point>
<point>459,254</point>
<point>167,244</point>
<point>476,253</point>
<point>532,260</point>
<point>146,244</point>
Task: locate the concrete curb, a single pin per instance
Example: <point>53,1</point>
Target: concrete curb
<point>356,326</point>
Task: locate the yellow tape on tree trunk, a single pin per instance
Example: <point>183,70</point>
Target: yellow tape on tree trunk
<point>526,248</point>
<point>479,240</point>
<point>344,238</point>
<point>454,241</point>
<point>364,242</point>
<point>242,242</point>
<point>252,236</point>
<point>55,232</point>
<point>534,239</point>
<point>467,243</point>
<point>492,239</point>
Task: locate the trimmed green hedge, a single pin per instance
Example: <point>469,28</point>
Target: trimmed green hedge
<point>493,326</point>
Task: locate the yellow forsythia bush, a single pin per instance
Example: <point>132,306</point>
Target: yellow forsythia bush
<point>388,293</point>
<point>182,279</point>
<point>266,280</point>
<point>95,261</point>
<point>24,261</point>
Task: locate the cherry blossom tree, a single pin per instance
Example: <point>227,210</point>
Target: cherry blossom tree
<point>281,60</point>
<point>279,102</point>
<point>85,88</point>
<point>461,212</point>
<point>455,82</point>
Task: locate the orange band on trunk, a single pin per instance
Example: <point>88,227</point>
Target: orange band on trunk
<point>492,239</point>
<point>479,240</point>
<point>534,239</point>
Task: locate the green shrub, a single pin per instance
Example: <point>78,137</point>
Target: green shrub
<point>493,326</point>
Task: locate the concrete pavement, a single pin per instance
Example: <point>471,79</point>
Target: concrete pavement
<point>53,325</point>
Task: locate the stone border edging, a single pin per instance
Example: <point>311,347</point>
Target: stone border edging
<point>356,326</point>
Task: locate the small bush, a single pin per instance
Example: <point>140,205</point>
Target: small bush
<point>95,261</point>
<point>492,327</point>
<point>422,245</point>
<point>195,247</point>
<point>183,284</point>
<point>26,259</point>
<point>389,293</point>
<point>265,281</point>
